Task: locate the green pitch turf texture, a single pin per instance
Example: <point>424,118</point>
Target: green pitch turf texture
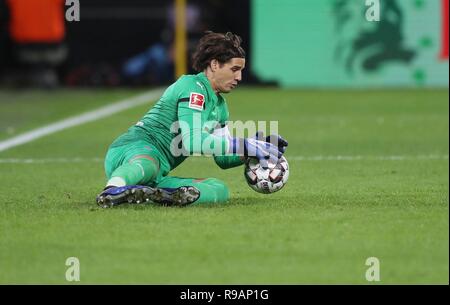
<point>369,178</point>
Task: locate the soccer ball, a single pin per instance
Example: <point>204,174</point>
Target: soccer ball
<point>269,180</point>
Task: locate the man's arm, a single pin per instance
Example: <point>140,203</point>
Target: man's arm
<point>198,141</point>
<point>195,139</point>
<point>227,161</point>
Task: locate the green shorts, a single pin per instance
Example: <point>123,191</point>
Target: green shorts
<point>119,155</point>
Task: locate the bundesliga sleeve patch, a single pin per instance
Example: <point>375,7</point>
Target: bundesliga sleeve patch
<point>196,101</point>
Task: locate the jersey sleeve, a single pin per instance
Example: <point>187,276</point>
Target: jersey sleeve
<point>192,116</point>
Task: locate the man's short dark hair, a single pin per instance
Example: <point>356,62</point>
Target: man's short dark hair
<point>219,46</point>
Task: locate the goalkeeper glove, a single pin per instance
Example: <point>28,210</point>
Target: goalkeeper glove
<point>278,141</point>
<point>252,147</point>
<point>273,139</point>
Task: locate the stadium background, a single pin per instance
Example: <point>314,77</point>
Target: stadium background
<point>363,104</point>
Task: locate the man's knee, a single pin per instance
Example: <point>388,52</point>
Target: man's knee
<point>148,166</point>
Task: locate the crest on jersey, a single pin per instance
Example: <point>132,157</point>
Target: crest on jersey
<point>196,101</point>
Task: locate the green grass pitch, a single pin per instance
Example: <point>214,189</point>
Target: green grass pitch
<point>369,178</point>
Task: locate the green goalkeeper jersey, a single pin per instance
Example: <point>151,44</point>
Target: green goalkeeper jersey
<point>184,122</point>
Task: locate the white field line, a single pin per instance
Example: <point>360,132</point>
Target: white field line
<point>361,157</point>
<point>296,158</point>
<point>90,116</point>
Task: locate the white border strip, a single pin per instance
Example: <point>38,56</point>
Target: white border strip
<point>296,158</point>
<point>90,116</point>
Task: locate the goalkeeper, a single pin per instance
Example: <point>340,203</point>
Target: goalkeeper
<point>190,118</point>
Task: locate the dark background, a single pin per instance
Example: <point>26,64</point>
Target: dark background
<point>111,31</point>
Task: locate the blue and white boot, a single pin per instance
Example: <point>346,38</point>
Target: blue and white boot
<point>181,196</point>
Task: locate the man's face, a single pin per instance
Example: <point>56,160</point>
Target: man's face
<point>228,75</point>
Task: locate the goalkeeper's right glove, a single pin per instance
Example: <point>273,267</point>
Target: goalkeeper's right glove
<point>274,139</point>
<point>252,147</point>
